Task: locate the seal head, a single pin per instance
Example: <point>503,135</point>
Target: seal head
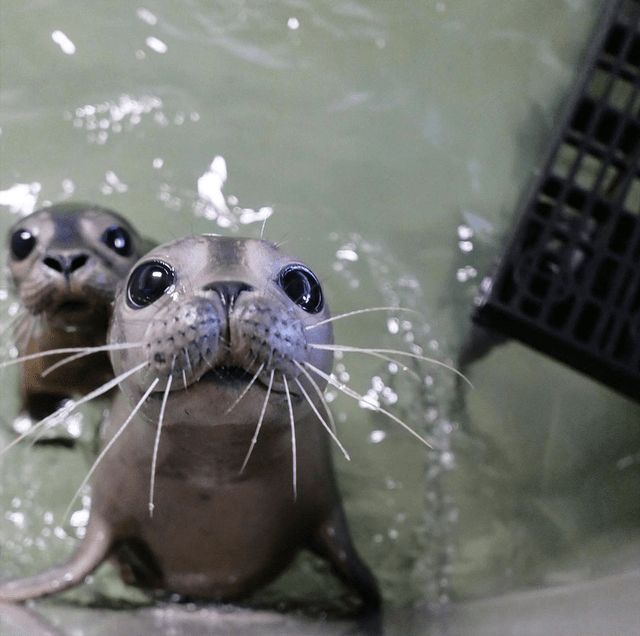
<point>65,262</point>
<point>215,316</point>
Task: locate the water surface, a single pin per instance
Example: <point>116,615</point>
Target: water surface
<point>388,143</point>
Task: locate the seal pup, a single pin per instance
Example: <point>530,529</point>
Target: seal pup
<point>216,467</point>
<point>65,262</point>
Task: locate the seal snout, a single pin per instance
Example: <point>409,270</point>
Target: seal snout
<point>65,264</point>
<point>228,291</point>
<point>184,339</point>
<point>268,333</point>
<point>226,331</point>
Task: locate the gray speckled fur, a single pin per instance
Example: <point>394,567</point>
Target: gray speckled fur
<point>216,532</point>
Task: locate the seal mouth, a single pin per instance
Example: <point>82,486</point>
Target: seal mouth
<point>227,374</point>
<point>238,378</point>
<point>72,307</point>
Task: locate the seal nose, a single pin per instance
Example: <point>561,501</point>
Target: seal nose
<point>228,291</point>
<point>65,264</point>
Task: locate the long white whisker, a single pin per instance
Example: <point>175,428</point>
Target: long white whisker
<point>101,390</point>
<point>156,445</point>
<point>294,454</point>
<point>254,439</point>
<point>84,353</point>
<point>62,412</point>
<point>53,352</point>
<point>11,323</point>
<point>397,352</point>
<point>318,390</point>
<point>245,390</point>
<point>323,422</point>
<point>26,337</point>
<point>188,360</point>
<point>360,398</point>
<point>360,311</point>
<point>107,386</point>
<point>108,446</point>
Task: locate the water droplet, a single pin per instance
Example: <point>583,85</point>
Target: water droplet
<point>63,41</point>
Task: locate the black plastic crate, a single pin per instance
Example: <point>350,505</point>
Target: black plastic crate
<point>569,281</point>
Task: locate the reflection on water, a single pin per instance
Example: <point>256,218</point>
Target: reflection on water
<point>387,145</point>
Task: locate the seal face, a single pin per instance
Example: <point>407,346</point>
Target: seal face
<point>213,312</point>
<point>65,262</point>
<point>222,470</point>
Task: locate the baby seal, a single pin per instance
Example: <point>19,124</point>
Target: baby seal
<point>216,468</point>
<point>65,262</point>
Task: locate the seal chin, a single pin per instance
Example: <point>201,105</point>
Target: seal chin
<point>72,308</point>
<point>73,312</point>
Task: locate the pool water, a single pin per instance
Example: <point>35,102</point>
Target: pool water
<point>387,144</point>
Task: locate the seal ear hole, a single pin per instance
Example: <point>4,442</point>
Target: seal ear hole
<point>148,282</point>
<point>302,286</point>
<point>21,244</point>
<point>118,239</point>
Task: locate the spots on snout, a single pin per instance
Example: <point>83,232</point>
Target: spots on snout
<point>183,338</point>
<point>273,335</point>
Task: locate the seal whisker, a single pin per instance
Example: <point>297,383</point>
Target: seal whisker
<point>101,390</point>
<point>398,352</point>
<point>357,312</point>
<point>318,390</point>
<point>188,361</point>
<point>53,352</point>
<point>108,446</point>
<point>25,338</point>
<point>361,398</point>
<point>9,326</point>
<point>294,454</point>
<point>254,439</point>
<point>42,423</point>
<point>16,327</point>
<point>245,390</point>
<point>86,352</point>
<point>323,422</point>
<point>400,364</point>
<point>156,444</point>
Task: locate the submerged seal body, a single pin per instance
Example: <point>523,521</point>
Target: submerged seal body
<point>65,262</point>
<point>226,330</point>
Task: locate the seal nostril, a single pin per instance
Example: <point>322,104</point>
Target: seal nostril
<point>65,264</point>
<point>55,263</point>
<point>77,262</point>
<point>228,290</point>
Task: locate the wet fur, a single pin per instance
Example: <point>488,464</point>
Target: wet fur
<point>178,503</point>
<point>63,230</point>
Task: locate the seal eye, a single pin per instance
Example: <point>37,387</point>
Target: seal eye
<point>118,239</point>
<point>148,282</point>
<point>302,286</point>
<point>22,244</point>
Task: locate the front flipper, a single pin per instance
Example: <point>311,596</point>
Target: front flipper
<point>332,542</point>
<point>93,550</point>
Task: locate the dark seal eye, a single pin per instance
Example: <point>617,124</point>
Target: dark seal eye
<point>302,286</point>
<point>22,244</point>
<point>118,239</point>
<point>148,282</point>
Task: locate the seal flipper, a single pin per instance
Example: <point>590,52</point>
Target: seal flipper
<point>93,550</point>
<point>332,542</point>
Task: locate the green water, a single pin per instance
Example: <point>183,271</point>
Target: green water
<point>392,140</point>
